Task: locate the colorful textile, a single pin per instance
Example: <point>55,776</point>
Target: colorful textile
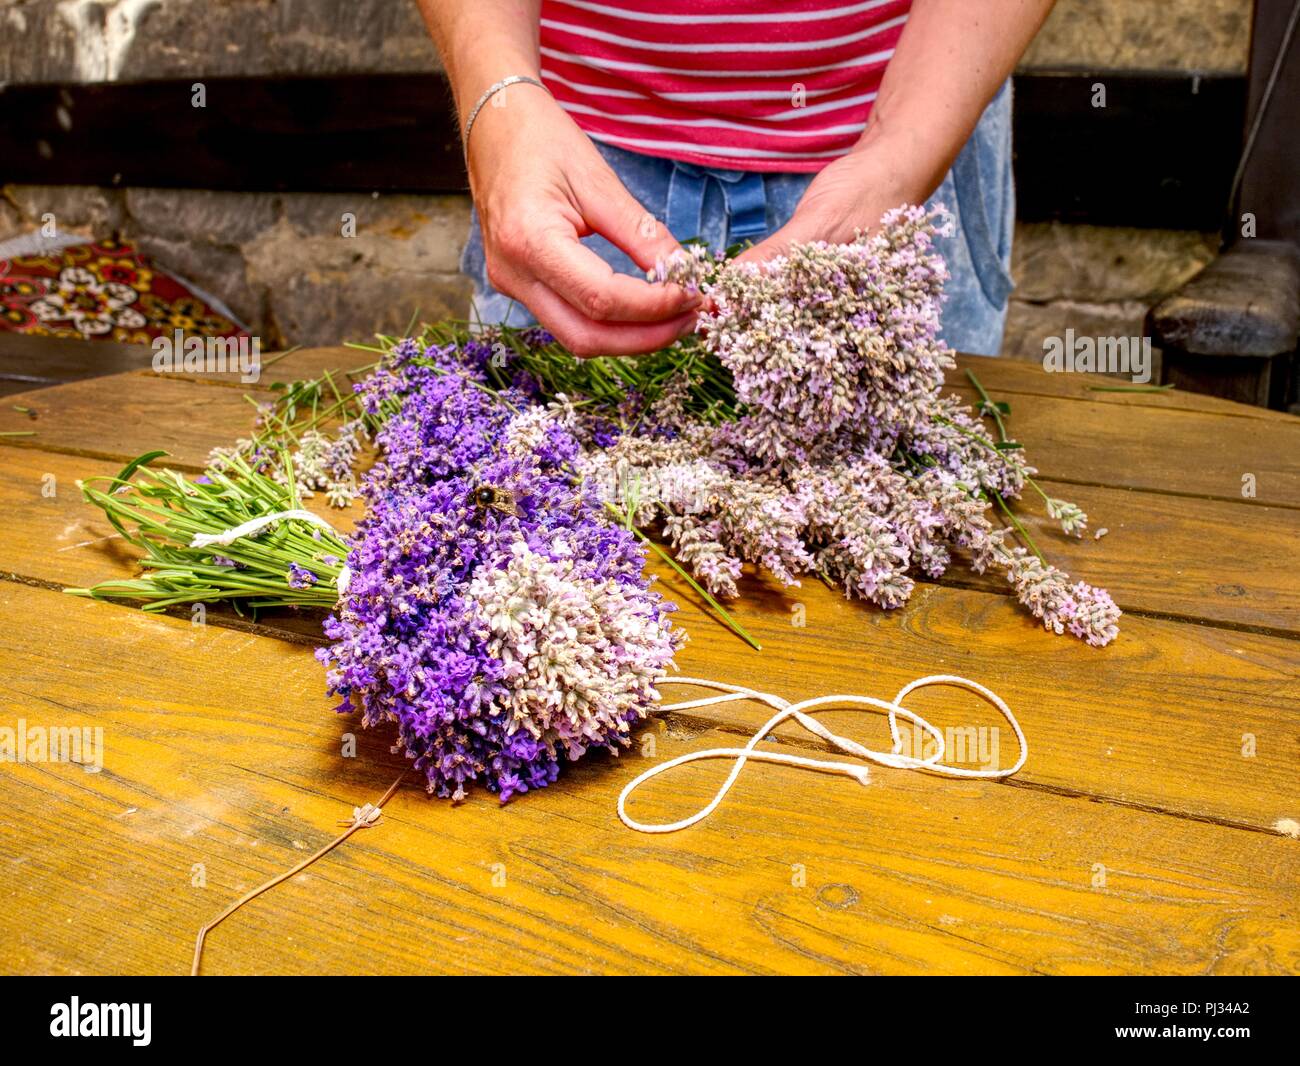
<point>104,290</point>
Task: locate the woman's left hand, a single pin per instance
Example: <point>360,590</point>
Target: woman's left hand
<point>846,198</point>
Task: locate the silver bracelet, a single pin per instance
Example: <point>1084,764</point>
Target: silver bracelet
<point>490,92</point>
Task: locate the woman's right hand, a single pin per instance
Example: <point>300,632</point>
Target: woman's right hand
<point>540,185</point>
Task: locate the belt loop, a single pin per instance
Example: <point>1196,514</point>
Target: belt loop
<point>746,201</point>
<point>685,210</point>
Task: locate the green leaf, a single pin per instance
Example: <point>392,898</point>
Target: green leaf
<point>123,478</point>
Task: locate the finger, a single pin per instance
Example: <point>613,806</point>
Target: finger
<point>762,252</point>
<point>559,263</point>
<point>585,337</point>
<point>595,290</point>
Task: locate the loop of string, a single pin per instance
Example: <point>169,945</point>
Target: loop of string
<point>256,525</point>
<point>367,815</point>
<point>785,709</point>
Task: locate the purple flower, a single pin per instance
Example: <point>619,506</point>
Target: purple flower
<point>300,577</point>
<point>494,613</point>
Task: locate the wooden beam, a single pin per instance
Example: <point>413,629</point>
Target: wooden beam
<point>1160,153</point>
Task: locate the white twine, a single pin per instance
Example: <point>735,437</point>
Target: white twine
<point>256,525</point>
<point>786,709</point>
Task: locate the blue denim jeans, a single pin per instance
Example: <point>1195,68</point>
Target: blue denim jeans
<point>725,207</point>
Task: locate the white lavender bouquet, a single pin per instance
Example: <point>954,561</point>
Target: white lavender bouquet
<point>842,457</point>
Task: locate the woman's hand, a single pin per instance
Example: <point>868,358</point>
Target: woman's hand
<point>950,60</point>
<point>540,185</point>
<point>846,198</point>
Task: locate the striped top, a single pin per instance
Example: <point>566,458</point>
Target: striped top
<point>769,85</point>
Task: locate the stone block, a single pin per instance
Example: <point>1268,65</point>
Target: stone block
<point>1100,264</point>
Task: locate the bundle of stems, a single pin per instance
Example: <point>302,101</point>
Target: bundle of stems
<point>160,511</point>
<point>164,509</point>
<point>608,381</point>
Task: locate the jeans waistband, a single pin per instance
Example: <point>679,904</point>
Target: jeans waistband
<point>744,198</point>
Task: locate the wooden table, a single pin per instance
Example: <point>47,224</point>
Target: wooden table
<point>1142,836</point>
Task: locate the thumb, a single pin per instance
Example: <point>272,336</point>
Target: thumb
<point>779,243</point>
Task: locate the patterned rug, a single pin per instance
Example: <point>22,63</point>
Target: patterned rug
<point>104,290</point>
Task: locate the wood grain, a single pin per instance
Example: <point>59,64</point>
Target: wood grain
<point>60,540</point>
<point>1164,687</point>
<point>1160,719</point>
<point>911,875</point>
<point>1009,376</point>
<point>1144,447</point>
<point>1147,690</point>
<point>1139,838</point>
<point>124,415</point>
<point>1183,557</point>
<point>1139,447</point>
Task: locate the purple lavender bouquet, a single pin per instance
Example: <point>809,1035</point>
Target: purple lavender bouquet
<point>489,605</point>
<point>495,614</point>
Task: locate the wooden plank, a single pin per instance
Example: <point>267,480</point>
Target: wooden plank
<point>389,132</point>
<point>60,540</point>
<point>1152,449</point>
<point>1009,376</point>
<point>240,776</point>
<point>1091,444</point>
<point>1206,560</point>
<point>1172,716</point>
<point>1120,690</point>
<point>386,131</point>
<point>1180,176</point>
<point>54,360</point>
<point>275,367</point>
<point>125,415</point>
<point>997,375</point>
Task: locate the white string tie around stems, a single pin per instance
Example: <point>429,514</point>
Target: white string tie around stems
<point>256,525</point>
<point>785,709</point>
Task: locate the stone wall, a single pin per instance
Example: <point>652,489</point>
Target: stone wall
<point>281,263</point>
<point>1097,280</point>
<point>58,41</point>
<point>97,40</point>
<point>1206,36</point>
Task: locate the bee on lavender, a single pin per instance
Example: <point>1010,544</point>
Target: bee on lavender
<point>494,498</point>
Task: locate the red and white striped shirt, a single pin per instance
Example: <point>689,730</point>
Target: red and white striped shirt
<point>771,85</point>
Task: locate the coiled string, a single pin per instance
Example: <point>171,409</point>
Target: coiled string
<point>785,709</point>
